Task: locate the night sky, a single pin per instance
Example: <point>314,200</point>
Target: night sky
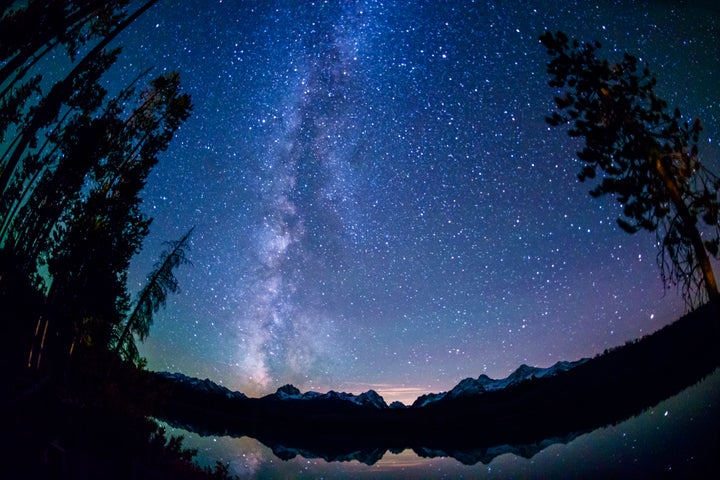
<point>377,200</point>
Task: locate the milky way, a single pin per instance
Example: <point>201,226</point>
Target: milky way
<point>377,199</point>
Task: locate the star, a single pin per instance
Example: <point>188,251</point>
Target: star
<point>377,199</point>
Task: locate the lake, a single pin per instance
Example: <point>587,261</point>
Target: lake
<point>679,437</point>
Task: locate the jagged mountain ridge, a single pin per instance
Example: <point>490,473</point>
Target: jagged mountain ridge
<point>366,399</point>
<point>201,386</point>
<point>469,387</point>
<point>473,387</point>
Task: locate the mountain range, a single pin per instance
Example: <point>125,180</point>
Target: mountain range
<point>473,387</point>
<point>469,422</point>
<point>467,388</point>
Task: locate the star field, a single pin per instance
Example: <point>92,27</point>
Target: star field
<point>377,200</point>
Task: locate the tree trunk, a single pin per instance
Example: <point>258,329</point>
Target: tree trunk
<point>690,225</point>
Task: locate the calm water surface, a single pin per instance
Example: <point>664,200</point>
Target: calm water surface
<point>677,438</point>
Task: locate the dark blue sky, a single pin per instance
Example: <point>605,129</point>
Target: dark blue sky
<point>378,202</point>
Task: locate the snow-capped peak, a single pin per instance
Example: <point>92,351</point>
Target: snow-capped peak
<point>205,385</point>
<point>471,387</point>
<point>366,399</point>
<point>371,399</point>
<point>287,392</point>
<point>468,387</point>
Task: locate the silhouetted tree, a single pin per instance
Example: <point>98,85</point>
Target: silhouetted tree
<point>648,158</point>
<point>29,32</point>
<point>151,298</point>
<point>73,167</point>
<point>73,162</point>
<point>46,112</point>
<point>92,244</point>
<point>53,174</point>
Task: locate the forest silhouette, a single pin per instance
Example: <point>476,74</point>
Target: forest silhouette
<point>74,159</point>
<point>73,162</point>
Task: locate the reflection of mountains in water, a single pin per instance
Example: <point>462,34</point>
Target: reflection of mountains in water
<point>475,421</point>
<point>370,455</point>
